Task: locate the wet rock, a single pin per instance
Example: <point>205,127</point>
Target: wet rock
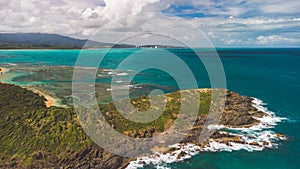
<point>180,155</point>
<point>254,144</point>
<point>265,143</point>
<point>280,136</point>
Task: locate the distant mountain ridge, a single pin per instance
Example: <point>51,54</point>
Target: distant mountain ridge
<point>55,41</point>
<point>49,41</point>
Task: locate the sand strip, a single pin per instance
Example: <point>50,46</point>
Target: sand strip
<point>4,74</point>
<point>3,70</point>
<point>50,100</point>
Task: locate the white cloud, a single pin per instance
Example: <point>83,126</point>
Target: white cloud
<point>239,7</point>
<point>212,35</point>
<point>233,41</point>
<point>119,8</point>
<point>274,39</point>
<point>250,24</point>
<point>279,6</point>
<point>173,30</point>
<point>72,16</point>
<point>227,19</point>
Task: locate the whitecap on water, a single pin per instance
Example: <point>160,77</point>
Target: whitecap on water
<point>124,87</point>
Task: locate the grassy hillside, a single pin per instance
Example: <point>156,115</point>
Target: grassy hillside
<point>169,114</point>
<point>32,135</point>
<point>28,128</point>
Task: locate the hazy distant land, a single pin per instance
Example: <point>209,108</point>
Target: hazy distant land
<point>54,41</point>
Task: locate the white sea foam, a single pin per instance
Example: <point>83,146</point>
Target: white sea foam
<point>160,159</point>
<point>12,64</point>
<point>121,87</point>
<point>85,67</point>
<point>266,122</point>
<point>124,87</point>
<point>271,119</point>
<point>107,70</point>
<point>255,138</point>
<point>117,73</point>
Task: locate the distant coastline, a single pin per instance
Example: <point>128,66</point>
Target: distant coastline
<point>82,48</point>
<point>54,41</point>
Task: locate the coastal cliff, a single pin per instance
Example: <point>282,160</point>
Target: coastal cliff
<point>35,136</point>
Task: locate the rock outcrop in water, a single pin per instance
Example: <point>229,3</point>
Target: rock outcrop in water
<point>34,136</point>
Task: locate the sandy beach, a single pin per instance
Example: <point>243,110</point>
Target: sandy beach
<point>50,100</point>
<point>3,70</point>
<point>4,74</point>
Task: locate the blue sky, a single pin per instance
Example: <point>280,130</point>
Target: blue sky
<point>225,22</point>
<point>245,23</point>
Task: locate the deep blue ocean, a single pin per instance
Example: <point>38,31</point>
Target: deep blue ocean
<point>272,75</point>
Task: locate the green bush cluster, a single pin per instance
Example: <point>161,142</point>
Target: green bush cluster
<point>28,127</point>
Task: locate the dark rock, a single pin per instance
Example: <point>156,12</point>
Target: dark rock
<point>114,162</point>
<point>180,155</point>
<point>254,144</point>
<point>265,143</point>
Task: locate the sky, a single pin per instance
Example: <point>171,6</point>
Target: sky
<point>223,23</point>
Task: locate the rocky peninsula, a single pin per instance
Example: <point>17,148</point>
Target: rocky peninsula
<point>33,135</point>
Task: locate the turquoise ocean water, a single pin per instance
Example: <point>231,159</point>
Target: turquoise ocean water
<point>272,75</point>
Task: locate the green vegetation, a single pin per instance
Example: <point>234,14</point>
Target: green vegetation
<point>28,128</point>
<point>170,112</point>
<point>31,133</point>
<point>16,99</point>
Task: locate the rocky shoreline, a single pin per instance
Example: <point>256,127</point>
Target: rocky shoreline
<point>52,137</point>
<point>242,114</point>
